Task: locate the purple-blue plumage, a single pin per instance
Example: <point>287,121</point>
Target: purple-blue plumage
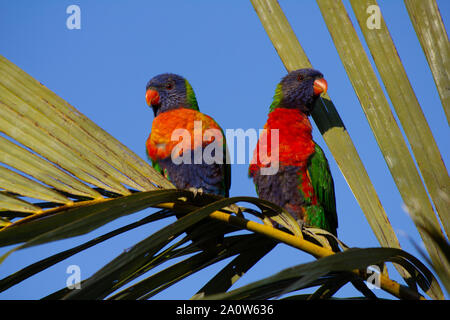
<point>297,90</point>
<point>208,177</point>
<point>282,189</point>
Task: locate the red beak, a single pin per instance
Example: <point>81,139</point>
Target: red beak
<point>152,97</point>
<point>320,86</point>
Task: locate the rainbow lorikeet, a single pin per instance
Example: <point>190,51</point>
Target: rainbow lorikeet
<point>303,184</point>
<point>175,108</point>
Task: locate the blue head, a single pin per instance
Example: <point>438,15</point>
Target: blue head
<point>299,89</point>
<point>169,91</point>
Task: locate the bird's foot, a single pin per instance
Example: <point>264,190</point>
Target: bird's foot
<point>301,223</point>
<point>196,191</point>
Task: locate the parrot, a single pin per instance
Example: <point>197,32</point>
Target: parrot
<point>302,184</point>
<point>175,108</point>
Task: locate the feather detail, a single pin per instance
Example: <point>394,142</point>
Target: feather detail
<point>163,136</point>
<point>295,140</point>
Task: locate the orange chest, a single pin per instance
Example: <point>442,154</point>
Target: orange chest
<point>188,127</point>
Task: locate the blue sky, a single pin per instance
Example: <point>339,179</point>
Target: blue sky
<point>224,52</point>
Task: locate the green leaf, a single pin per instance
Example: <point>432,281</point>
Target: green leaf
<point>443,245</point>
<point>29,163</point>
<point>8,202</point>
<point>379,115</point>
<point>129,262</point>
<point>41,265</point>
<point>14,182</point>
<point>408,110</point>
<point>303,275</point>
<point>36,118</point>
<point>157,282</point>
<point>77,221</point>
<point>233,271</point>
<point>430,30</point>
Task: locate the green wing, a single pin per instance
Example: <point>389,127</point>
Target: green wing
<point>322,182</point>
<point>156,165</point>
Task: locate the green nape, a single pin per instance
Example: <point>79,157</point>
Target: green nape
<point>276,98</point>
<point>191,100</point>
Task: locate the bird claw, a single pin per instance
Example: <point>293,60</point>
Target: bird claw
<point>301,223</point>
<point>196,191</point>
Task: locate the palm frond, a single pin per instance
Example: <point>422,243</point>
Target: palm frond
<point>43,264</point>
<point>430,30</point>
<point>379,115</point>
<point>320,271</point>
<point>126,266</point>
<point>408,110</point>
<point>75,154</point>
<point>443,245</point>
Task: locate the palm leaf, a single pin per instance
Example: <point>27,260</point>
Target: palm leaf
<point>128,263</point>
<point>443,245</point>
<point>163,279</point>
<point>408,110</point>
<point>233,271</point>
<point>10,202</point>
<point>430,30</point>
<point>332,285</point>
<point>32,165</point>
<point>38,119</point>
<point>41,265</point>
<point>80,220</point>
<point>320,271</point>
<point>379,116</point>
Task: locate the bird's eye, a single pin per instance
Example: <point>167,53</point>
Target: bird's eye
<point>299,77</point>
<point>169,86</point>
